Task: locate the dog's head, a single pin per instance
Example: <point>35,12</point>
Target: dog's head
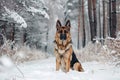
<point>63,32</point>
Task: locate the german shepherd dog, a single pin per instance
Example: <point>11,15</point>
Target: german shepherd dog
<point>65,56</point>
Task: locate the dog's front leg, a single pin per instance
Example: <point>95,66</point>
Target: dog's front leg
<point>67,61</point>
<point>57,64</point>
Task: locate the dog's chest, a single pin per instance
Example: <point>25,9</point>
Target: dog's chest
<point>61,51</point>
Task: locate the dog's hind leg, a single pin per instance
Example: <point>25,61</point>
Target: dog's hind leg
<point>78,67</point>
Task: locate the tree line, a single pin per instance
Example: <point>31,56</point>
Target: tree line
<point>102,16</point>
<point>91,20</point>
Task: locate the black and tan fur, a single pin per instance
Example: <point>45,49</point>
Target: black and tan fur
<point>65,56</point>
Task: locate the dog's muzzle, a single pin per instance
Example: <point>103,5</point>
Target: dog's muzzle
<point>62,36</point>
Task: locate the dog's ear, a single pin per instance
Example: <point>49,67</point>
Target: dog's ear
<point>58,24</point>
<point>68,24</point>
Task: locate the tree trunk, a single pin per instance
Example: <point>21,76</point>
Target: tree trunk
<point>107,20</point>
<point>78,41</point>
<point>24,36</point>
<point>104,22</point>
<point>46,45</point>
<point>110,21</point>
<point>13,32</point>
<point>90,18</point>
<point>95,18</point>
<point>113,28</point>
<point>83,35</point>
<point>99,26</point>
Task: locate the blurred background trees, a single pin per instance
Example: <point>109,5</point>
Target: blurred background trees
<point>97,19</point>
<point>91,20</point>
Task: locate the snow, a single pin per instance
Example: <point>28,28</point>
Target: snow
<point>5,62</point>
<point>45,70</point>
<point>16,17</point>
<point>118,35</point>
<point>34,10</point>
<point>21,54</point>
<point>69,11</point>
<point>70,4</point>
<point>113,52</point>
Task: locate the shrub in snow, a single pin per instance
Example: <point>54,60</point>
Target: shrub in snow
<point>5,49</point>
<point>94,52</point>
<point>21,53</point>
<point>27,54</point>
<point>109,52</point>
<point>114,46</point>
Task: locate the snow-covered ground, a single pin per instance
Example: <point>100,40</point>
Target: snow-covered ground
<point>45,70</point>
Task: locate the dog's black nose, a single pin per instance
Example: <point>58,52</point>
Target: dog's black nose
<point>62,36</point>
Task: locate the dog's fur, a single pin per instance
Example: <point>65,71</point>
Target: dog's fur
<point>65,56</point>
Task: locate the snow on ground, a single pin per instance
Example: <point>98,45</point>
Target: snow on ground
<point>45,70</point>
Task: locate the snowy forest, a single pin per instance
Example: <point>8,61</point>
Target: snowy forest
<point>27,32</point>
